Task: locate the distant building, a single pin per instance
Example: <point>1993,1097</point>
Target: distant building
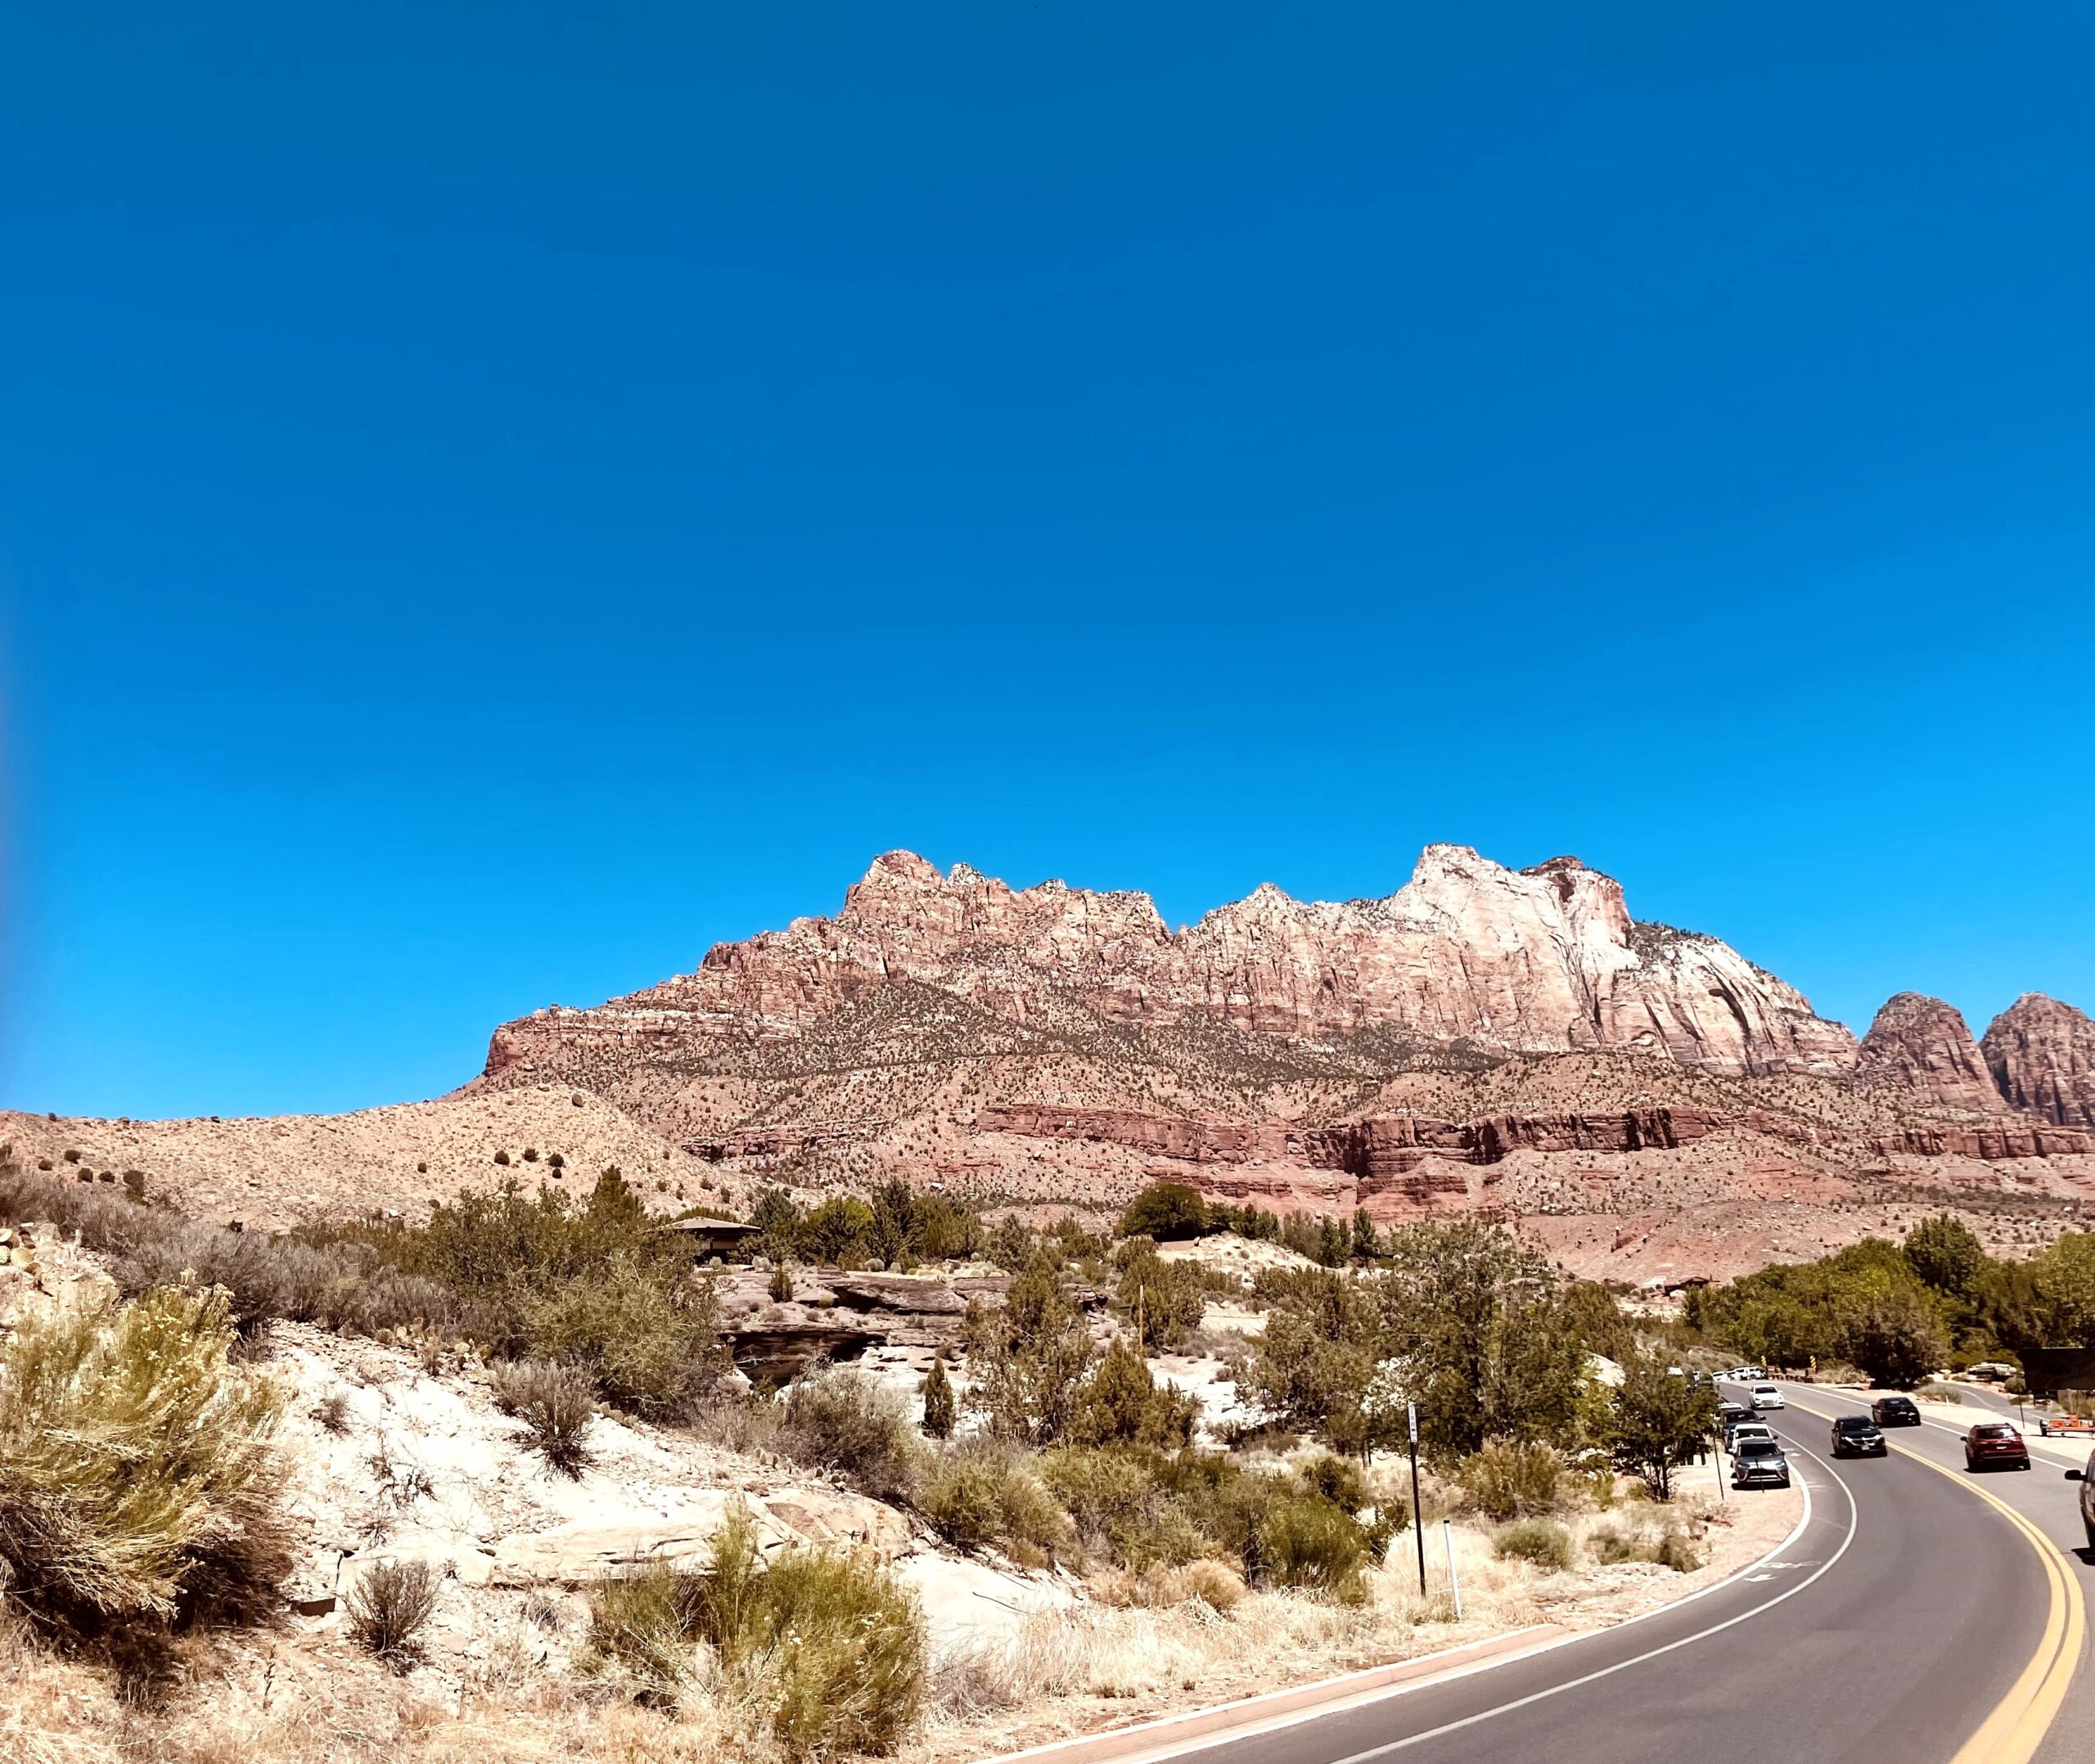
<point>724,1238</point>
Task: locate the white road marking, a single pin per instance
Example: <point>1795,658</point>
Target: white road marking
<point>1855,1516</point>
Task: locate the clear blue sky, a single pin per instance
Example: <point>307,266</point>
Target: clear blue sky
<point>496,498</point>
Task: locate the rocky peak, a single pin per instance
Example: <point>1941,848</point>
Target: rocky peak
<point>1922,1047</point>
<point>2041,1054</point>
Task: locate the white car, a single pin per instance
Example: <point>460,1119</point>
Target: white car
<point>1747,1430</point>
<point>1766,1397</point>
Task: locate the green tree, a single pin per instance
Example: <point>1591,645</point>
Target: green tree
<point>2065,1282</point>
<point>938,1402</point>
<point>1121,1403</point>
<point>1659,1421</point>
<point>1946,1254</point>
<point>894,1231</point>
<point>1365,1241</point>
<point>1038,1348</point>
<point>1893,1334</point>
<point>1166,1298</point>
<point>1166,1210</point>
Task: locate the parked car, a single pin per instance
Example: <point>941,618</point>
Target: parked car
<point>1746,1432</point>
<point>1995,1445</point>
<point>1895,1411</point>
<point>2086,1478</point>
<point>1760,1461</point>
<point>1991,1372</point>
<point>1766,1397</point>
<point>1857,1436</point>
<point>1730,1414</point>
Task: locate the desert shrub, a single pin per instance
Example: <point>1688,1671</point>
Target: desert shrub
<point>1121,1403</point>
<point>1940,1393</point>
<point>1214,1585</point>
<point>985,1494</point>
<point>938,1402</point>
<point>1513,1479</point>
<point>845,1645</point>
<point>502,1157</point>
<point>780,1285</point>
<point>1671,1547</point>
<point>1127,1505</point>
<point>831,1644</point>
<point>556,1404</point>
<point>140,1477</point>
<point>1165,1300</point>
<point>648,1344</point>
<point>1339,1480</point>
<point>647,1624</point>
<point>838,1419</point>
<point>389,1606</point>
<point>332,1412</point>
<point>1304,1540</point>
<point>1543,1542</point>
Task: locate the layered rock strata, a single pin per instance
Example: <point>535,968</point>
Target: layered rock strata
<point>2041,1055</point>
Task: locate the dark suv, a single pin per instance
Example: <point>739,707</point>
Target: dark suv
<point>1856,1436</point>
<point>1895,1411</point>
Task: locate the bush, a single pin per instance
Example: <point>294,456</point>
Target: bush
<point>839,1419</point>
<point>646,1623</point>
<point>390,1604</point>
<point>1672,1548</point>
<point>987,1494</point>
<point>556,1404</point>
<point>831,1644</point>
<point>1166,1300</point>
<point>1304,1540</point>
<point>1339,1480</point>
<point>648,1344</point>
<point>938,1402</point>
<point>782,1285</point>
<point>1121,1403</point>
<point>1166,1210</point>
<point>1543,1542</point>
<point>1513,1479</point>
<point>139,1473</point>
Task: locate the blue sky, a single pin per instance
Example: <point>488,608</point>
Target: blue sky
<point>495,499</point>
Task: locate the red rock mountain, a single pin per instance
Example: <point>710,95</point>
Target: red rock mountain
<point>1920,1046</point>
<point>1467,954</point>
<point>2041,1055</point>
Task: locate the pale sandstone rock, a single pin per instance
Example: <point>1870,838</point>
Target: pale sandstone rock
<point>1540,961</point>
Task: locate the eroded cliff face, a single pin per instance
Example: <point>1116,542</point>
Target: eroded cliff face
<point>1467,952</point>
<point>1923,1049</point>
<point>2041,1055</point>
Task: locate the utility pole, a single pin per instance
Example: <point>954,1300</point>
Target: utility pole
<point>1417,1517</point>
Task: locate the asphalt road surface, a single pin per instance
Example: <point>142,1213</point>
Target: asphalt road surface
<point>2041,1494</point>
<point>1888,1629</point>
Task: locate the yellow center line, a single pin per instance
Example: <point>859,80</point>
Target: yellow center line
<point>2016,1725</point>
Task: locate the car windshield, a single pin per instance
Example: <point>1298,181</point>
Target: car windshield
<point>1756,1448</point>
<point>1999,1430</point>
<point>1852,1424</point>
<point>1899,1404</point>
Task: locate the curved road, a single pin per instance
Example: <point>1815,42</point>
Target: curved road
<point>2041,1495</point>
<point>1902,1613</point>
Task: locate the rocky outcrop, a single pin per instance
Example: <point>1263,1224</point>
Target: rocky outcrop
<point>1989,1141</point>
<point>1920,1048</point>
<point>1465,953</point>
<point>2041,1055</point>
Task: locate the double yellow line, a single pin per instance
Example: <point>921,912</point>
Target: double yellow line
<point>2017,1725</point>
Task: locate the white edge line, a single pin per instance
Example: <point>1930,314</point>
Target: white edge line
<point>1650,1653</point>
<point>1360,1699</point>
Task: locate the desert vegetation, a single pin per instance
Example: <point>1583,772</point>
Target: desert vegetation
<point>146,1442</point>
<point>1899,1312</point>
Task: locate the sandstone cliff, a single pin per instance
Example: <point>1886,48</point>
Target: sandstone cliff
<point>2042,1056</point>
<point>1921,1047</point>
<point>1467,954</point>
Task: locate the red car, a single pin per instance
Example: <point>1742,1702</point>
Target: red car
<point>1995,1445</point>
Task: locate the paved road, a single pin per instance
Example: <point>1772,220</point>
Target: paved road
<point>1888,1629</point>
<point>2041,1495</point>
